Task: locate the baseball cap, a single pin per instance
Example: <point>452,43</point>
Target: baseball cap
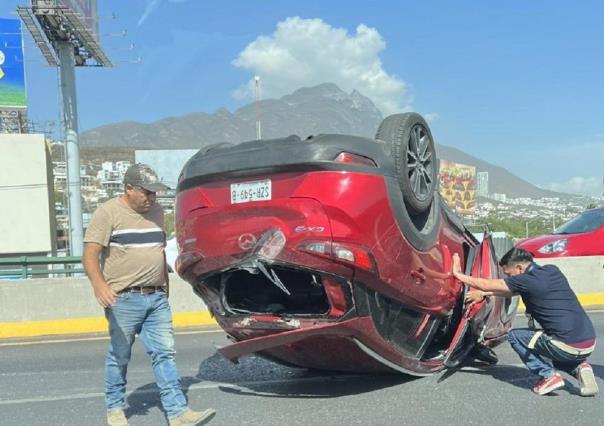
<point>144,176</point>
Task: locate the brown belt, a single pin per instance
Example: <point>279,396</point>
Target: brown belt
<point>144,289</point>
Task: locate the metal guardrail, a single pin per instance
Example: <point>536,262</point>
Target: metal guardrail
<point>502,245</point>
<point>22,267</point>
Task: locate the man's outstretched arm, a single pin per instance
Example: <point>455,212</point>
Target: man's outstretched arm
<point>496,287</point>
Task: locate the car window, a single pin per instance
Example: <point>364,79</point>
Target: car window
<point>585,222</point>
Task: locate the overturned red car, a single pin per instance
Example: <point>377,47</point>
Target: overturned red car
<point>334,252</point>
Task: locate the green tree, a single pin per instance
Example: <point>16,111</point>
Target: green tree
<point>169,223</point>
<point>517,227</point>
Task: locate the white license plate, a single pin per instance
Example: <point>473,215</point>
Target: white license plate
<point>244,192</point>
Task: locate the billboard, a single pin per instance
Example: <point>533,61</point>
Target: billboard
<point>458,186</point>
<point>87,9</point>
<point>27,223</point>
<point>12,71</point>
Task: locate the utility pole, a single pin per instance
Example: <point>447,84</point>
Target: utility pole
<point>67,36</point>
<point>257,96</point>
<point>72,147</point>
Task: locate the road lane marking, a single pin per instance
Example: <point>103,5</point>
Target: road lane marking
<point>241,386</point>
<point>88,339</point>
<point>195,386</point>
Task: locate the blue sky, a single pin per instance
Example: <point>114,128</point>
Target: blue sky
<point>519,84</point>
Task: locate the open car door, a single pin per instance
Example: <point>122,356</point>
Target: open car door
<point>481,262</point>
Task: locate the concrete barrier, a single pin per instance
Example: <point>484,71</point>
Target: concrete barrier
<point>50,306</point>
<point>40,307</point>
<point>584,273</point>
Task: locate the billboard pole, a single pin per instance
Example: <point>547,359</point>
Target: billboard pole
<point>66,31</point>
<point>72,148</point>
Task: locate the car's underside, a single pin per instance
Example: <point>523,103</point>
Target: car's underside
<point>335,252</point>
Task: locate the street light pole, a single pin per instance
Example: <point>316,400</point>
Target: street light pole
<point>72,149</point>
<point>257,96</point>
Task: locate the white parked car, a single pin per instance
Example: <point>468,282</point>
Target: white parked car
<point>171,253</point>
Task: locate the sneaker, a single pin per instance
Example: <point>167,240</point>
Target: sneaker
<point>587,380</point>
<point>193,418</point>
<point>484,355</point>
<point>116,418</point>
<point>546,386</point>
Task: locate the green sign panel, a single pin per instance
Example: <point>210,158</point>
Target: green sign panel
<point>12,71</point>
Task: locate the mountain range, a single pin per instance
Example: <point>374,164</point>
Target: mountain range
<point>308,111</point>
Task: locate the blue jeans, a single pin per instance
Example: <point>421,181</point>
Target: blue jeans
<point>149,316</point>
<point>544,357</point>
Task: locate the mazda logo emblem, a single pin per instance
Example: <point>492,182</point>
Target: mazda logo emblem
<point>246,241</point>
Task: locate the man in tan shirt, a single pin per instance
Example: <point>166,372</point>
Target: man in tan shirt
<point>125,262</point>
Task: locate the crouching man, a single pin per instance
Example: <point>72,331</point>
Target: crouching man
<point>567,337</point>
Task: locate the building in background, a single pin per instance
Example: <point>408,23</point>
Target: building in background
<point>27,217</point>
<point>458,186</point>
<point>111,178</point>
<point>499,197</point>
<point>482,184</point>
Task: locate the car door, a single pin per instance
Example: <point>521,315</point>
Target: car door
<point>480,262</point>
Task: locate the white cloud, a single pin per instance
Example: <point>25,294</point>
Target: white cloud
<point>150,7</point>
<point>431,117</point>
<point>580,185</point>
<point>307,52</point>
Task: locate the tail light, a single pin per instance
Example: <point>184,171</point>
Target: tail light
<point>272,243</point>
<point>342,252</point>
<point>347,157</point>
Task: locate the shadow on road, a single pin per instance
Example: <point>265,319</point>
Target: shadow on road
<point>521,378</point>
<point>515,376</point>
<point>259,377</point>
<point>146,397</point>
<point>598,370</point>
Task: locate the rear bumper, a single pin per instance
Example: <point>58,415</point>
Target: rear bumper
<point>341,337</point>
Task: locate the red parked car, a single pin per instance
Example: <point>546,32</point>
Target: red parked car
<point>581,236</point>
<point>334,252</point>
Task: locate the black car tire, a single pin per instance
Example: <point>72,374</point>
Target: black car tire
<point>420,230</point>
<point>414,156</point>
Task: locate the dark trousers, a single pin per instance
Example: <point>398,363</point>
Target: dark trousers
<point>542,357</point>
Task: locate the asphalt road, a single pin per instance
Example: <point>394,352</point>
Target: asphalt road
<point>60,382</point>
